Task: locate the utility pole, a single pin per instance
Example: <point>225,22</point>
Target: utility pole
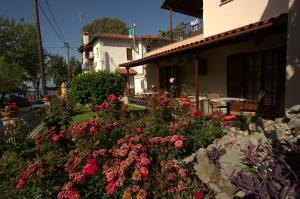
<point>40,47</point>
<point>66,44</point>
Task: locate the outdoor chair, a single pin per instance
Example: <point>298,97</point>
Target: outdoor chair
<point>214,102</point>
<point>252,106</point>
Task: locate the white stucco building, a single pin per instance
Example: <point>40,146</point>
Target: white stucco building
<point>244,47</point>
<point>106,51</point>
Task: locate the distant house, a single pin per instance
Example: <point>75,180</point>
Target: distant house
<point>107,51</point>
<point>240,48</point>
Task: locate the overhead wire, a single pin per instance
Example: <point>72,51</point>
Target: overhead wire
<point>51,25</point>
<point>54,19</point>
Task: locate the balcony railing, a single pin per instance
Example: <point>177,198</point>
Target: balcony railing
<point>184,31</point>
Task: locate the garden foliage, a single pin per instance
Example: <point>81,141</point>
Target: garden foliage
<point>61,112</point>
<point>119,156</point>
<point>94,87</point>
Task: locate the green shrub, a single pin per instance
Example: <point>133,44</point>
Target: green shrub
<point>93,88</point>
<point>61,112</point>
<point>11,164</point>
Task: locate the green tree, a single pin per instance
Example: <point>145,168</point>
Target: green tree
<point>105,25</point>
<point>11,78</point>
<point>75,67</point>
<point>18,47</point>
<point>57,69</point>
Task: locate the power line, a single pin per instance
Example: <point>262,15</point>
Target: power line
<point>51,25</point>
<point>55,21</point>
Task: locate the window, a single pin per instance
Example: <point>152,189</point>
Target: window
<point>129,53</point>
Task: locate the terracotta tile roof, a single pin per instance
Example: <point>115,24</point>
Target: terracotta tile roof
<point>121,37</point>
<point>123,71</point>
<point>244,30</point>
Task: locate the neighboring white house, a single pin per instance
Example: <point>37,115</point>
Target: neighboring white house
<point>106,51</point>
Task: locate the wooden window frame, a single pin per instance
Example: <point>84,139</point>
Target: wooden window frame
<point>129,54</point>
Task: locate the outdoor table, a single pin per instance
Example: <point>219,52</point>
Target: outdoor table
<point>201,100</point>
<point>229,100</point>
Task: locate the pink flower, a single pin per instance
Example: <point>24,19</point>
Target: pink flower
<point>21,183</point>
<point>68,194</point>
<point>93,129</point>
<point>157,108</point>
<point>110,176</point>
<point>145,161</point>
<point>138,130</point>
<point>172,80</point>
<point>90,168</point>
<point>174,138</point>
<point>144,172</point>
<point>110,188</point>
<point>172,177</point>
<point>55,138</point>
<point>179,144</point>
<point>182,172</point>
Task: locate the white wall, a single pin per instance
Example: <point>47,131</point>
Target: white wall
<point>236,13</point>
<point>292,96</point>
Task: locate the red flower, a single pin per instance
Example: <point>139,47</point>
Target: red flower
<point>110,188</point>
<point>68,194</point>
<point>172,130</point>
<point>90,168</point>
<point>198,195</point>
<point>144,172</point>
<point>138,130</point>
<point>62,133</point>
<point>179,144</point>
<point>229,117</point>
<point>21,183</point>
<point>226,123</point>
<point>111,98</point>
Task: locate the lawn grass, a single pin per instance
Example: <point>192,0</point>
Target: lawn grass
<point>82,113</point>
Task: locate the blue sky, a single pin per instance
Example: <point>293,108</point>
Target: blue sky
<point>147,15</point>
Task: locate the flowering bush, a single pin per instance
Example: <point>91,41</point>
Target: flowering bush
<point>117,156</point>
<point>11,107</point>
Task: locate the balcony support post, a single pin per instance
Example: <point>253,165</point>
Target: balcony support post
<point>171,22</point>
<point>157,76</point>
<point>127,78</point>
<point>196,69</point>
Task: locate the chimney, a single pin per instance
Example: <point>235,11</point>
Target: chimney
<point>85,38</point>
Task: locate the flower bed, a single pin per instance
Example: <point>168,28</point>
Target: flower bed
<point>120,155</point>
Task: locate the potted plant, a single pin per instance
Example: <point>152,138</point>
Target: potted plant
<point>10,110</point>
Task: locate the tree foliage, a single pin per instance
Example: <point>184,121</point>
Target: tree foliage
<point>57,69</point>
<point>11,77</point>
<point>18,49</point>
<point>105,25</point>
